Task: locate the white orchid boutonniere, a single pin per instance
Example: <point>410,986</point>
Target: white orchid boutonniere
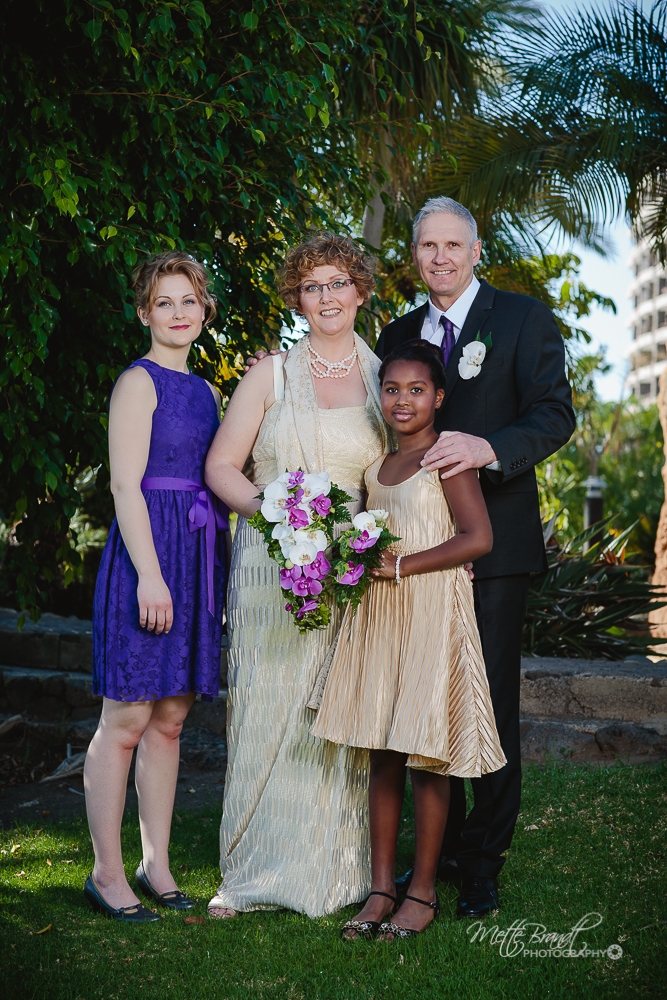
<point>470,364</point>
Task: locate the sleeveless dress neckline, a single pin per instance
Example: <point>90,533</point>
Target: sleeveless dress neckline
<point>149,361</point>
<point>394,486</point>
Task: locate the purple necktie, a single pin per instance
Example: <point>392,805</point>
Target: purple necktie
<point>448,339</point>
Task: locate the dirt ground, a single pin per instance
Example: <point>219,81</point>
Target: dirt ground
<point>31,751</point>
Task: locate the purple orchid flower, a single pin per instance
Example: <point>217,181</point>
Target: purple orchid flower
<point>288,576</point>
<point>321,505</point>
<point>322,564</point>
<point>304,609</point>
<point>363,542</point>
<point>353,574</point>
<point>297,517</point>
<point>314,587</point>
<point>300,587</point>
<point>295,498</point>
<point>289,607</point>
<point>295,479</point>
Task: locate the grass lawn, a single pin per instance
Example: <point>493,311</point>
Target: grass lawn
<point>589,840</point>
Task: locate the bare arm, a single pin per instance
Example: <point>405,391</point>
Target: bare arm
<point>474,538</point>
<point>130,421</point>
<point>236,436</point>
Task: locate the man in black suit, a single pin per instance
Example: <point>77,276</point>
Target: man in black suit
<point>503,417</point>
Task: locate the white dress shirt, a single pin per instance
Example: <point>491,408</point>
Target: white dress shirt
<point>457,315</point>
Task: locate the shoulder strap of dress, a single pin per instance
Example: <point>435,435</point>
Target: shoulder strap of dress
<point>278,377</point>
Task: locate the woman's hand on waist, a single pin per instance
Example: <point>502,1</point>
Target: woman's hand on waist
<point>156,611</point>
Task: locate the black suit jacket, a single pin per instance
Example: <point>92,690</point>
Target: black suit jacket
<point>520,402</point>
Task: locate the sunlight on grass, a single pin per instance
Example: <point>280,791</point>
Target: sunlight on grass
<point>588,840</point>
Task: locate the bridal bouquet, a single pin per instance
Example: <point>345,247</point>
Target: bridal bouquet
<point>296,518</point>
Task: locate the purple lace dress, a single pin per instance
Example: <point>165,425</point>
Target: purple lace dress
<point>130,663</point>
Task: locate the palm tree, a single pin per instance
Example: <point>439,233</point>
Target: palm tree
<point>579,135</point>
<point>440,66</point>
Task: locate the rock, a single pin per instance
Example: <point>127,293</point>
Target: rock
<point>22,690</point>
<point>622,738</point>
<point>81,733</point>
<point>560,739</point>
<point>79,693</point>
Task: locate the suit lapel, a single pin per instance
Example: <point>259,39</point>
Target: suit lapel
<point>477,316</point>
<point>416,321</point>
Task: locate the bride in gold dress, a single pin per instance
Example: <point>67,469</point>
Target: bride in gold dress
<point>294,829</point>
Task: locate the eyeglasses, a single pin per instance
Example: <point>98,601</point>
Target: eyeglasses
<point>312,289</point>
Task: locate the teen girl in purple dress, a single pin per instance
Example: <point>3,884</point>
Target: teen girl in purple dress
<point>158,600</point>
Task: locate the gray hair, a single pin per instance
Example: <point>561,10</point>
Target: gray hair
<point>449,207</point>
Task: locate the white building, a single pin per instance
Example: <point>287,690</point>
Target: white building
<point>648,325</point>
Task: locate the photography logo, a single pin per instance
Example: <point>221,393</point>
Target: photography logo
<point>532,940</point>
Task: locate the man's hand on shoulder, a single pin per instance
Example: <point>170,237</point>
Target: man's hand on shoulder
<point>456,452</point>
<point>250,362</point>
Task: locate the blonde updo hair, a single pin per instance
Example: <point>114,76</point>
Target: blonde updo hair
<point>326,248</point>
<point>147,276</point>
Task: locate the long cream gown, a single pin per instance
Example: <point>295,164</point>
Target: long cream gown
<point>408,672</point>
<point>294,829</point>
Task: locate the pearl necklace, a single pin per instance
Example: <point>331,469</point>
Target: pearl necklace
<point>332,369</point>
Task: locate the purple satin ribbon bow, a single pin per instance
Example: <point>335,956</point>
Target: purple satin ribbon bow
<point>206,512</point>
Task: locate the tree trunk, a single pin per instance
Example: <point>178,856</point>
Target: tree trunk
<point>658,618</point>
<point>374,221</point>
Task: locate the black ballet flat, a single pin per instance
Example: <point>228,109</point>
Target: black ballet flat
<point>136,914</point>
<point>366,929</point>
<point>174,900</point>
<point>407,932</point>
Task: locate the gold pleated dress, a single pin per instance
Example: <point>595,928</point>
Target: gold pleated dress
<point>408,672</point>
<point>294,829</point>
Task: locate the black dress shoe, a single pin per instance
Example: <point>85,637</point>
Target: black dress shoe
<point>479,897</point>
<point>136,914</point>
<point>174,900</point>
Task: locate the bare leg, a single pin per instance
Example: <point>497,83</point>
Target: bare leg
<point>105,781</point>
<point>431,792</point>
<point>387,788</point>
<point>156,774</point>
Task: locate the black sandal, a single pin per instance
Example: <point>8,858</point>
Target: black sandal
<point>407,932</point>
<point>366,929</point>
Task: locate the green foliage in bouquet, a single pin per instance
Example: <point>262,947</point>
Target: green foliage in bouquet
<point>344,557</point>
<point>590,602</point>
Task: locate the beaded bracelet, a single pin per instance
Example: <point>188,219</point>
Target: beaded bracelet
<point>398,563</point>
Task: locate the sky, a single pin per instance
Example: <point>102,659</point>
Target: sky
<point>611,275</point>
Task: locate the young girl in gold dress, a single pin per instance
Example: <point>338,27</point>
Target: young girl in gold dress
<point>407,679</point>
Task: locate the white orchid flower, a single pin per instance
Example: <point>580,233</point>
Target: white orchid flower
<point>302,553</point>
<point>284,478</point>
<point>365,521</point>
<point>317,537</point>
<point>316,484</point>
<point>283,531</point>
<point>379,515</point>
<point>470,364</point>
<point>273,504</point>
